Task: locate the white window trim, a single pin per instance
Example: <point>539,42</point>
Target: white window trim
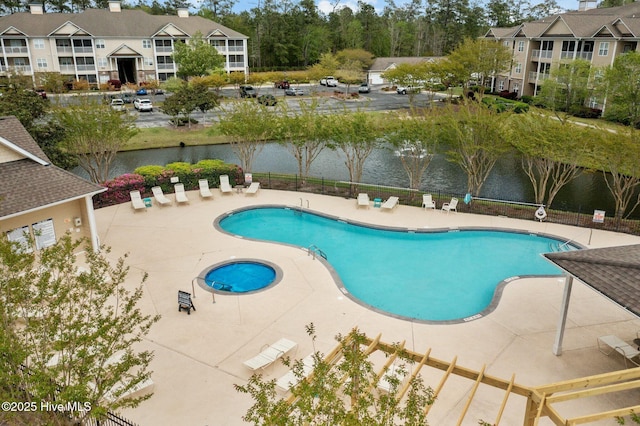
<point>603,48</point>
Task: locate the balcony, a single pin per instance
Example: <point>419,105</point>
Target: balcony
<point>535,76</point>
<point>542,54</point>
<point>83,49</point>
<point>236,65</point>
<point>15,49</point>
<point>164,49</point>
<point>21,68</point>
<point>165,66</point>
<point>64,49</point>
<point>67,68</point>
<point>221,49</point>
<point>87,67</point>
<point>235,49</point>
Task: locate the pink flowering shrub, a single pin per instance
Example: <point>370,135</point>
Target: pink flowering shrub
<point>119,188</point>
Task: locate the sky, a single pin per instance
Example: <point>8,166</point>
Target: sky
<point>327,6</point>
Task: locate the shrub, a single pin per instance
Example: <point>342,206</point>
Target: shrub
<point>527,99</point>
<point>118,190</point>
<point>508,95</point>
<point>520,107</point>
<point>585,112</point>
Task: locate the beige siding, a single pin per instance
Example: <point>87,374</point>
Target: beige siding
<point>7,155</point>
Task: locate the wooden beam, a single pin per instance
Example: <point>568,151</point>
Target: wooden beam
<point>604,415</point>
<point>594,391</point>
<point>444,378</point>
<point>472,393</point>
<point>504,400</point>
<point>590,381</point>
<point>414,374</point>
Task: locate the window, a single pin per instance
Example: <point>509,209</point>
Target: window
<point>41,62</point>
<point>505,43</point>
<point>102,62</point>
<point>99,43</point>
<point>516,88</point>
<point>593,102</point>
<point>501,85</point>
<point>604,48</point>
<point>235,45</point>
<point>146,44</point>
<point>521,46</point>
<point>38,43</point>
<point>148,62</point>
<point>518,68</point>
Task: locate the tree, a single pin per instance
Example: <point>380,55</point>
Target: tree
<point>568,88</point>
<point>306,134</point>
<point>250,125</point>
<point>85,319</point>
<point>183,102</point>
<point>481,59</point>
<point>406,74</point>
<point>50,137</point>
<point>196,57</point>
<point>26,105</point>
<point>94,133</point>
<point>340,394</point>
<point>415,141</point>
<point>356,134</point>
<point>552,153</point>
<point>622,89</point>
<point>616,154</point>
<point>476,138</point>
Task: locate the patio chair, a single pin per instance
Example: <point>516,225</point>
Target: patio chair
<point>450,206</point>
<point>253,188</point>
<point>427,202</point>
<point>289,380</point>
<point>270,354</point>
<point>225,187</point>
<point>136,201</point>
<point>181,196</point>
<point>205,192</point>
<point>185,302</point>
<point>390,204</point>
<point>160,197</point>
<point>363,200</point>
<point>618,345</point>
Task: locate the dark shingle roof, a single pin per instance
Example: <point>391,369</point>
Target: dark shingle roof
<point>104,23</point>
<point>26,184</point>
<point>612,271</point>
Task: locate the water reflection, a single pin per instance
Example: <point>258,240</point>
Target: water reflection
<point>507,181</point>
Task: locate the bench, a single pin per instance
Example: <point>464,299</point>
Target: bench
<point>616,344</point>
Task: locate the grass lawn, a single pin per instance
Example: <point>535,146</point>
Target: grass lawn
<point>163,137</point>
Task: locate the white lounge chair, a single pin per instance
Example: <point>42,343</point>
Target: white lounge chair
<point>160,197</point>
<point>363,200</point>
<point>393,373</point>
<point>181,196</point>
<point>450,206</point>
<point>427,202</point>
<point>205,192</point>
<point>225,187</point>
<point>616,344</point>
<point>270,354</point>
<point>390,204</point>
<point>253,188</point>
<point>136,201</point>
<point>289,380</point>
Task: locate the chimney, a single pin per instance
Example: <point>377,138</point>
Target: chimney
<point>183,12</point>
<point>114,6</point>
<point>587,4</point>
<point>36,8</point>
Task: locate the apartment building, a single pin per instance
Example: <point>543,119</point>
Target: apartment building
<point>595,35</point>
<point>102,44</point>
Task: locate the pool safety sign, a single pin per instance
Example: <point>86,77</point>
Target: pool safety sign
<point>598,216</point>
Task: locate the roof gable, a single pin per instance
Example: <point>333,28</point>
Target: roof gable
<point>69,29</point>
<point>124,50</point>
<point>171,30</point>
<point>12,31</point>
<point>558,28</point>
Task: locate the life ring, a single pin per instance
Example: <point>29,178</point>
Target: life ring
<point>541,214</point>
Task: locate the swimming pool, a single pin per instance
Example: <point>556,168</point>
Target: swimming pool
<point>423,275</point>
<point>242,276</point>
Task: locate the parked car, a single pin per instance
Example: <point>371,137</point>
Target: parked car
<point>364,88</point>
<point>141,92</point>
<point>268,100</point>
<point>127,98</point>
<point>329,81</point>
<point>142,104</point>
<point>117,104</point>
<point>283,84</point>
<point>247,92</point>
<point>293,91</point>
<point>403,90</point>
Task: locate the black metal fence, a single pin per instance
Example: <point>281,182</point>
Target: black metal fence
<point>411,197</point>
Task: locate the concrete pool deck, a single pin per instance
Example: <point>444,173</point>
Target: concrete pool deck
<point>198,357</point>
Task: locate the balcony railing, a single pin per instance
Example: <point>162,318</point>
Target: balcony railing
<point>576,55</point>
<point>221,49</point>
<point>70,68</point>
<point>64,49</point>
<point>538,76</point>
<point>236,65</point>
<point>12,49</point>
<point>22,68</point>
<point>83,49</point>
<point>87,67</point>
<point>235,49</point>
<point>542,54</point>
<point>164,49</point>
<point>165,66</point>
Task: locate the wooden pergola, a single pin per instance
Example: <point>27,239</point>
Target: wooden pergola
<point>538,401</point>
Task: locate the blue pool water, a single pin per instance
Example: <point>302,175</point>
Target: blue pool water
<point>240,277</point>
<point>431,276</point>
